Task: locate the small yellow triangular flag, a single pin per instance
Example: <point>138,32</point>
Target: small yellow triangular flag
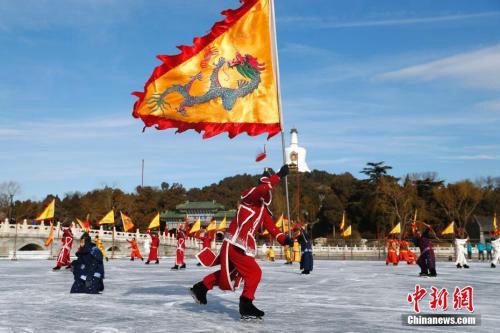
<point>222,225</point>
<point>346,232</point>
<point>196,226</point>
<point>155,222</point>
<point>109,218</point>
<point>212,226</point>
<point>495,221</point>
<point>450,229</point>
<point>396,229</point>
<point>48,212</point>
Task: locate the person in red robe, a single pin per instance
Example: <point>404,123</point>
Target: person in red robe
<point>392,256</point>
<point>64,257</point>
<point>153,248</point>
<point>206,241</point>
<point>405,254</point>
<point>134,253</point>
<point>181,248</point>
<point>237,254</point>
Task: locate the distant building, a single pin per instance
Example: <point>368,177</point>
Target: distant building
<point>480,228</point>
<point>296,155</point>
<point>203,210</point>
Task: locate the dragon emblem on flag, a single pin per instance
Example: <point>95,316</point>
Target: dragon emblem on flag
<point>247,66</point>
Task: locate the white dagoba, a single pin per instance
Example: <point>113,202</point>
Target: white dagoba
<point>295,154</point>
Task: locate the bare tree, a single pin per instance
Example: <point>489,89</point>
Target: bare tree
<point>459,200</point>
<point>398,201</point>
<point>8,190</point>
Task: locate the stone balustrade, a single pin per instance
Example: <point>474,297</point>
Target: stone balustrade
<point>35,235</point>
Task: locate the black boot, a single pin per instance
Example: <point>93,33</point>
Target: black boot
<point>466,266</point>
<point>248,310</point>
<point>157,261</point>
<point>423,274</point>
<point>56,268</point>
<point>147,262</point>
<point>198,264</point>
<point>131,259</point>
<point>459,266</point>
<point>433,273</point>
<point>183,266</point>
<point>305,272</point>
<point>199,293</point>
<point>175,267</point>
<point>493,265</point>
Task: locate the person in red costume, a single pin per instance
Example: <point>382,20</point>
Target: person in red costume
<point>64,257</point>
<point>237,254</point>
<point>392,250</point>
<point>181,248</point>
<point>134,253</point>
<point>153,248</point>
<point>206,241</point>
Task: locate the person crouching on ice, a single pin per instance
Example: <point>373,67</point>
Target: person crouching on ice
<point>88,268</point>
<point>237,254</point>
<point>392,250</point>
<point>427,260</point>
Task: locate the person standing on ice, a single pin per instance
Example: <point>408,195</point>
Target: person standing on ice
<point>496,251</point>
<point>237,254</point>
<point>181,248</point>
<point>427,260</point>
<point>480,251</point>
<point>64,257</point>
<point>153,248</point>
<point>101,247</point>
<point>306,258</point>
<point>134,250</point>
<point>460,244</point>
<point>88,268</point>
<point>206,242</point>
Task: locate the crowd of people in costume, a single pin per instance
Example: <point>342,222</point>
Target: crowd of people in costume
<point>236,257</point>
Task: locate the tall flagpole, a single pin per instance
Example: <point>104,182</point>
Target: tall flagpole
<point>276,67</point>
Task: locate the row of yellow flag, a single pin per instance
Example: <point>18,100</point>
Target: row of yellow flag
<point>212,226</point>
<point>49,211</point>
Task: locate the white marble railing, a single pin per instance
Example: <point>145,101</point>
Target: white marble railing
<point>42,230</point>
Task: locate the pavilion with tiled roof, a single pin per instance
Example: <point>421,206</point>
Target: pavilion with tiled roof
<point>204,210</point>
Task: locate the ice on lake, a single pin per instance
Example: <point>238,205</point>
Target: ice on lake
<point>339,296</point>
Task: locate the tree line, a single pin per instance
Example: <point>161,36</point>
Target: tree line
<point>372,204</point>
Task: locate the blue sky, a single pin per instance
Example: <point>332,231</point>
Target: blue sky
<point>412,83</point>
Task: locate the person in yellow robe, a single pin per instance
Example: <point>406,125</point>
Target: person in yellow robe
<point>288,255</point>
<point>296,251</point>
<point>270,254</point>
<point>101,247</point>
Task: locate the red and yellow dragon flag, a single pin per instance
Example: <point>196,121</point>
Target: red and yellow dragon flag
<point>224,82</point>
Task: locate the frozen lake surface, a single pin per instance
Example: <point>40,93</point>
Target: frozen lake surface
<point>339,296</point>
